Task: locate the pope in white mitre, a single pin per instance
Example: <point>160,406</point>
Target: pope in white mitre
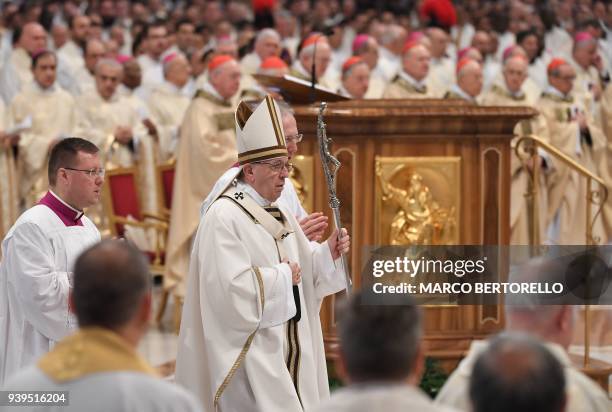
<point>251,335</point>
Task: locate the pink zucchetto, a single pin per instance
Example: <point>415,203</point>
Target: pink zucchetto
<point>359,41</point>
<point>583,37</point>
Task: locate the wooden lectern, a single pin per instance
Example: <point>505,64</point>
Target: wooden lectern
<point>456,153</point>
<point>297,91</point>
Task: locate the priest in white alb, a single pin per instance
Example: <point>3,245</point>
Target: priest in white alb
<point>572,130</point>
<point>83,78</point>
<point>168,105</point>
<point>50,113</point>
<point>38,254</point>
<point>512,93</point>
<point>112,122</point>
<point>410,82</point>
<point>355,78</point>
<point>72,51</point>
<point>251,335</point>
<point>206,149</point>
<point>16,71</point>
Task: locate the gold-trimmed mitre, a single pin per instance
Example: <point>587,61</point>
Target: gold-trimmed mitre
<point>259,132</point>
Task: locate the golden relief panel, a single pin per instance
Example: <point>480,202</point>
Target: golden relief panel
<point>417,200</point>
<point>302,177</point>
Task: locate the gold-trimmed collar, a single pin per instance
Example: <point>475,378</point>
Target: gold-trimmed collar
<point>89,351</point>
<point>452,95</point>
<point>555,98</point>
<point>295,73</point>
<point>209,96</point>
<point>408,86</point>
<point>502,91</point>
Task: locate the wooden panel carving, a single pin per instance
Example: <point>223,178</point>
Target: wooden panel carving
<point>417,200</point>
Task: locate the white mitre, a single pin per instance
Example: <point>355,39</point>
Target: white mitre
<point>259,136</point>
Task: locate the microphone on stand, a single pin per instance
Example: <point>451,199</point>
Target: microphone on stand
<point>313,76</point>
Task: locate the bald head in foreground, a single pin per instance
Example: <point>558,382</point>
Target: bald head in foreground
<point>99,366</point>
<point>517,373</point>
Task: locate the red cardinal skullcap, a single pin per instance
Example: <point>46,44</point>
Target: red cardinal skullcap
<point>218,61</point>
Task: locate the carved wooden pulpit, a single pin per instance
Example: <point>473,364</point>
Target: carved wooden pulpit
<point>456,154</point>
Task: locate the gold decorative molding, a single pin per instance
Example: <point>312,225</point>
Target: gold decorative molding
<point>417,200</point>
<point>302,177</point>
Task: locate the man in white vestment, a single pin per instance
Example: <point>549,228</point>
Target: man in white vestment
<point>441,67</point>
<point>588,85</point>
<point>114,123</point>
<point>38,254</point>
<point>320,57</point>
<point>251,335</point>
<point>267,44</point>
<point>381,359</point>
<point>469,81</point>
<point>98,365</point>
<point>72,51</point>
<point>168,105</point>
<point>340,50</point>
<point>206,149</point>
<point>16,70</point>
<point>512,93</point>
<point>531,89</point>
<point>555,325</point>
<point>530,42</point>
<point>84,76</point>
<point>131,85</point>
<point>355,78</point>
<point>184,32</point>
<point>366,47</point>
<point>156,37</point>
<point>285,24</point>
<point>59,35</point>
<point>410,82</point>
<point>482,41</point>
<point>392,43</point>
<point>573,130</point>
<point>51,114</point>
